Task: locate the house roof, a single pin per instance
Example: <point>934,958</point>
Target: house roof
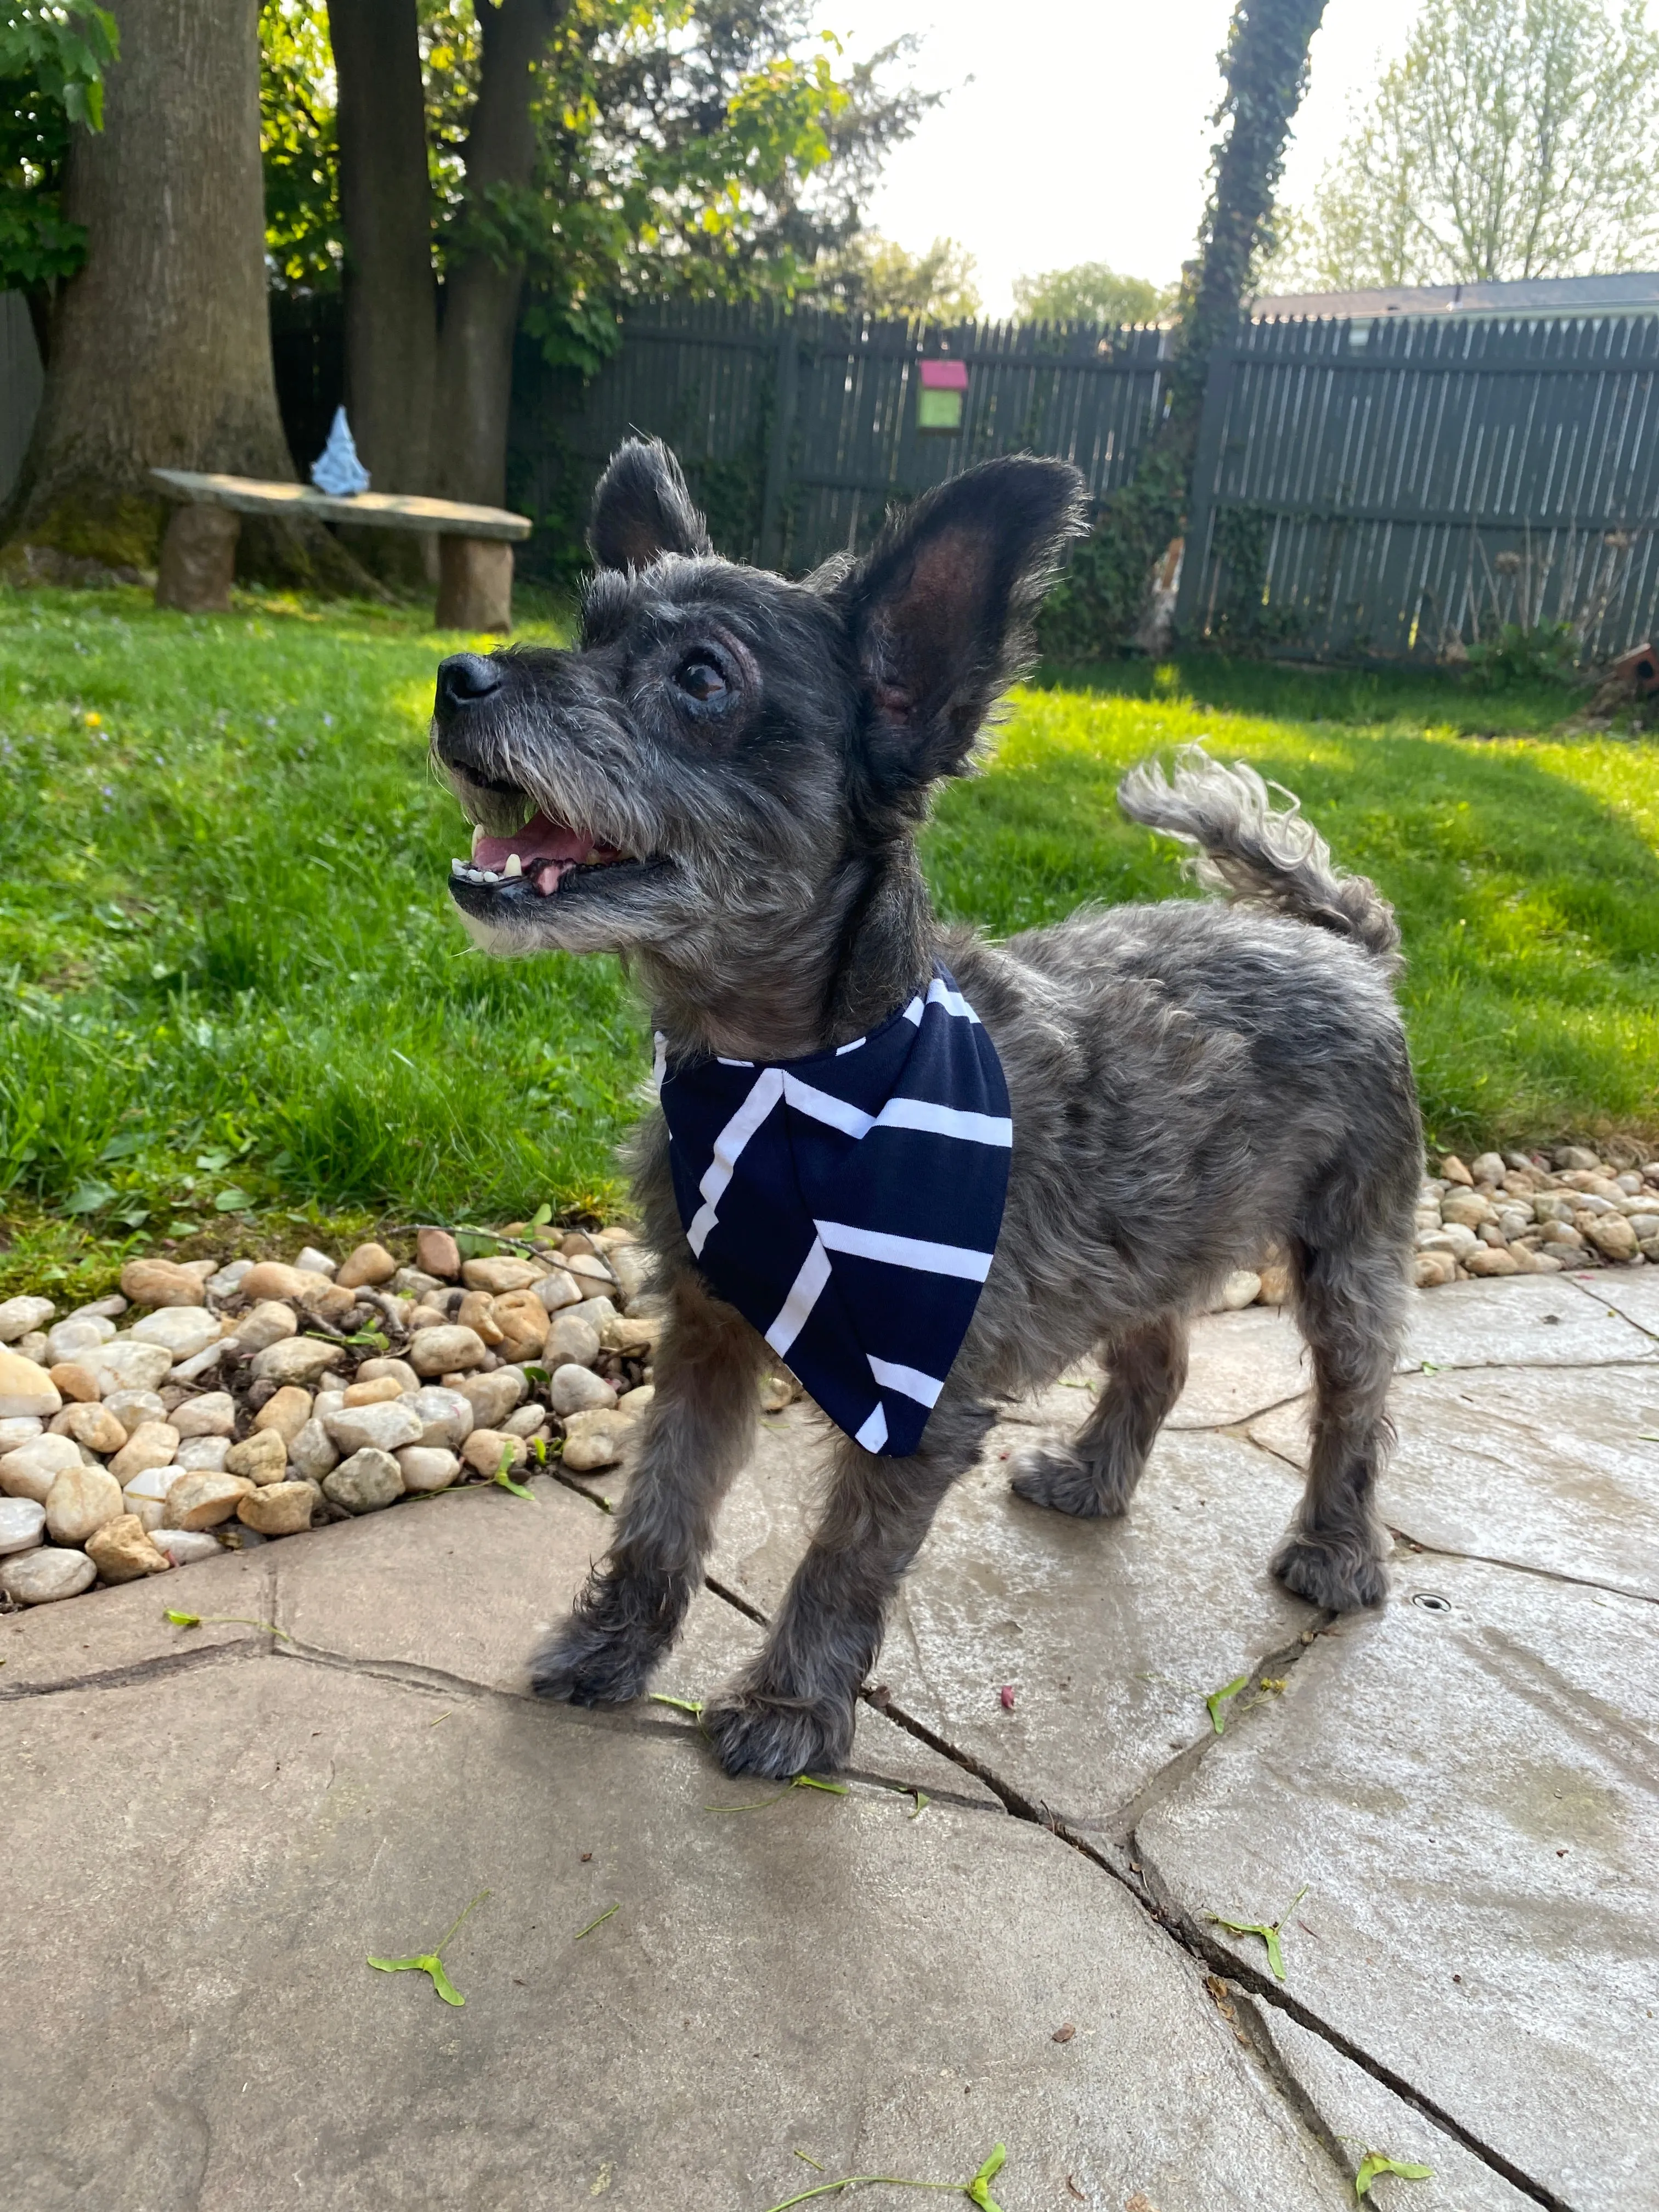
<point>1629,293</point>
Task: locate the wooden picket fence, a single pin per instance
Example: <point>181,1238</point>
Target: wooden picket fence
<point>1399,489</point>
<point>1406,488</point>
<point>798,430</point>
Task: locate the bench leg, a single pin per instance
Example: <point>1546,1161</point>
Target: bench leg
<point>474,583</point>
<point>198,558</point>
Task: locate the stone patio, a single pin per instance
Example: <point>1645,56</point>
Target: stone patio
<point>1450,1805</point>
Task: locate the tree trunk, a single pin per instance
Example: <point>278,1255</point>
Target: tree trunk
<point>390,292</point>
<point>1106,591</point>
<point>1266,66</point>
<point>481,295</point>
<point>161,344</point>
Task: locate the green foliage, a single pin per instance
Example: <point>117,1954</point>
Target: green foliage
<point>1526,654</point>
<point>1512,138</point>
<point>299,145</point>
<point>874,276</point>
<point>706,147</point>
<point>1094,608</point>
<point>52,59</point>
<point>1090,293</point>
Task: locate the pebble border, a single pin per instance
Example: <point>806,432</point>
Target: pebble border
<point>251,1401</point>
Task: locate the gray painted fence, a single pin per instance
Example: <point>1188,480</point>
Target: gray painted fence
<point>1406,488</point>
<point>798,430</point>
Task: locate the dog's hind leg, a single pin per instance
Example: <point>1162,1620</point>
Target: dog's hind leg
<point>698,1433</point>
<point>794,1708</point>
<point>1095,1474</point>
<point>1351,1308</point>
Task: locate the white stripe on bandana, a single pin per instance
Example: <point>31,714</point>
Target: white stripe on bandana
<point>848,1205</point>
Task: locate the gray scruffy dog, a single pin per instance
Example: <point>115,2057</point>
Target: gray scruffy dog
<point>728,775</point>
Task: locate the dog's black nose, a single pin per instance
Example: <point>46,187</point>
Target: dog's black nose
<point>463,679</point>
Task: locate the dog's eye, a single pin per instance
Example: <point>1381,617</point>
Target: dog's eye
<point>700,677</point>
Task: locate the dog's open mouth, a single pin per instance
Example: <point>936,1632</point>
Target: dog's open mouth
<point>536,859</point>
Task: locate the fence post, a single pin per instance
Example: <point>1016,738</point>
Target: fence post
<point>777,459</point>
<point>1206,472</point>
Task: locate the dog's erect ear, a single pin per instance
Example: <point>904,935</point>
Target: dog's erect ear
<point>642,509</point>
<point>940,610</point>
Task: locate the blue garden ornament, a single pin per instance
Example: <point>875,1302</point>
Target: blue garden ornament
<point>336,469</point>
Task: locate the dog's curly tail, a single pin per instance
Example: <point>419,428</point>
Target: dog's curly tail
<point>1254,856</point>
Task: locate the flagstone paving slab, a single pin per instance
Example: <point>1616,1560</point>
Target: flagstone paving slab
<point>191,2025</point>
<point>1465,1783</point>
<point>1361,2114</point>
<point>464,1585</point>
<point>110,1632</point>
<point>1532,1465</point>
<point>1542,1320</point>
<point>1110,1633</point>
<point>1633,1292</point>
<point>1240,1364</point>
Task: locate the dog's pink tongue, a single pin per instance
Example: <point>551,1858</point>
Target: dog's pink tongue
<point>539,840</point>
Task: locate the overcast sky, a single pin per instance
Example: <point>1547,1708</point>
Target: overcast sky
<point>1084,135</point>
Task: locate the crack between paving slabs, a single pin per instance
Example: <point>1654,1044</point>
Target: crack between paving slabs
<point>1167,1916</point>
<point>1162,1911</point>
<point>182,1660</point>
<point>1613,1313</point>
<point>1419,1545</point>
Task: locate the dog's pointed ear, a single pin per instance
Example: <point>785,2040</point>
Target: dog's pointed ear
<point>641,509</point>
<point>940,610</point>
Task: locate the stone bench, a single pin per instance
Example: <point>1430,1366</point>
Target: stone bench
<point>198,551</point>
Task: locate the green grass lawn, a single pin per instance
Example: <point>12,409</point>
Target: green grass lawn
<point>234,995</point>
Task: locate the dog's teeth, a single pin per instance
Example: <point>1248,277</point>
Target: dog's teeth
<point>515,867</point>
<point>489,876</point>
<point>478,833</point>
<point>459,868</point>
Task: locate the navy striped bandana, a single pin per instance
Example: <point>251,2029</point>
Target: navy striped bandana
<point>848,1205</point>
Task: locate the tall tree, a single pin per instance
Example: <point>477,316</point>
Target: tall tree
<point>1511,139</point>
<point>160,343</point>
<point>1265,68</point>
<point>1090,293</point>
<point>484,261</point>
<point>536,163</point>
<point>391,289</point>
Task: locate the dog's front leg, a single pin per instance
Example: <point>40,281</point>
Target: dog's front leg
<point>698,1433</point>
<point>794,1708</point>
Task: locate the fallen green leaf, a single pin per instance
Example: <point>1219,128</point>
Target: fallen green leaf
<point>922,1800</point>
<point>1217,1699</point>
<point>430,1963</point>
<point>599,1922</point>
<point>692,1705</point>
<point>806,2158</point>
<point>760,1804</point>
<point>503,1475</point>
<point>979,2189</point>
<point>977,2192</point>
<point>226,1619</point>
<point>1269,1935</point>
<point>1377,2162</point>
<point>540,1217</point>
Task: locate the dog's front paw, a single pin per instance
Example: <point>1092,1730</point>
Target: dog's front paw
<point>1058,1476</point>
<point>777,1737</point>
<point>587,1663</point>
<point>1338,1572</point>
